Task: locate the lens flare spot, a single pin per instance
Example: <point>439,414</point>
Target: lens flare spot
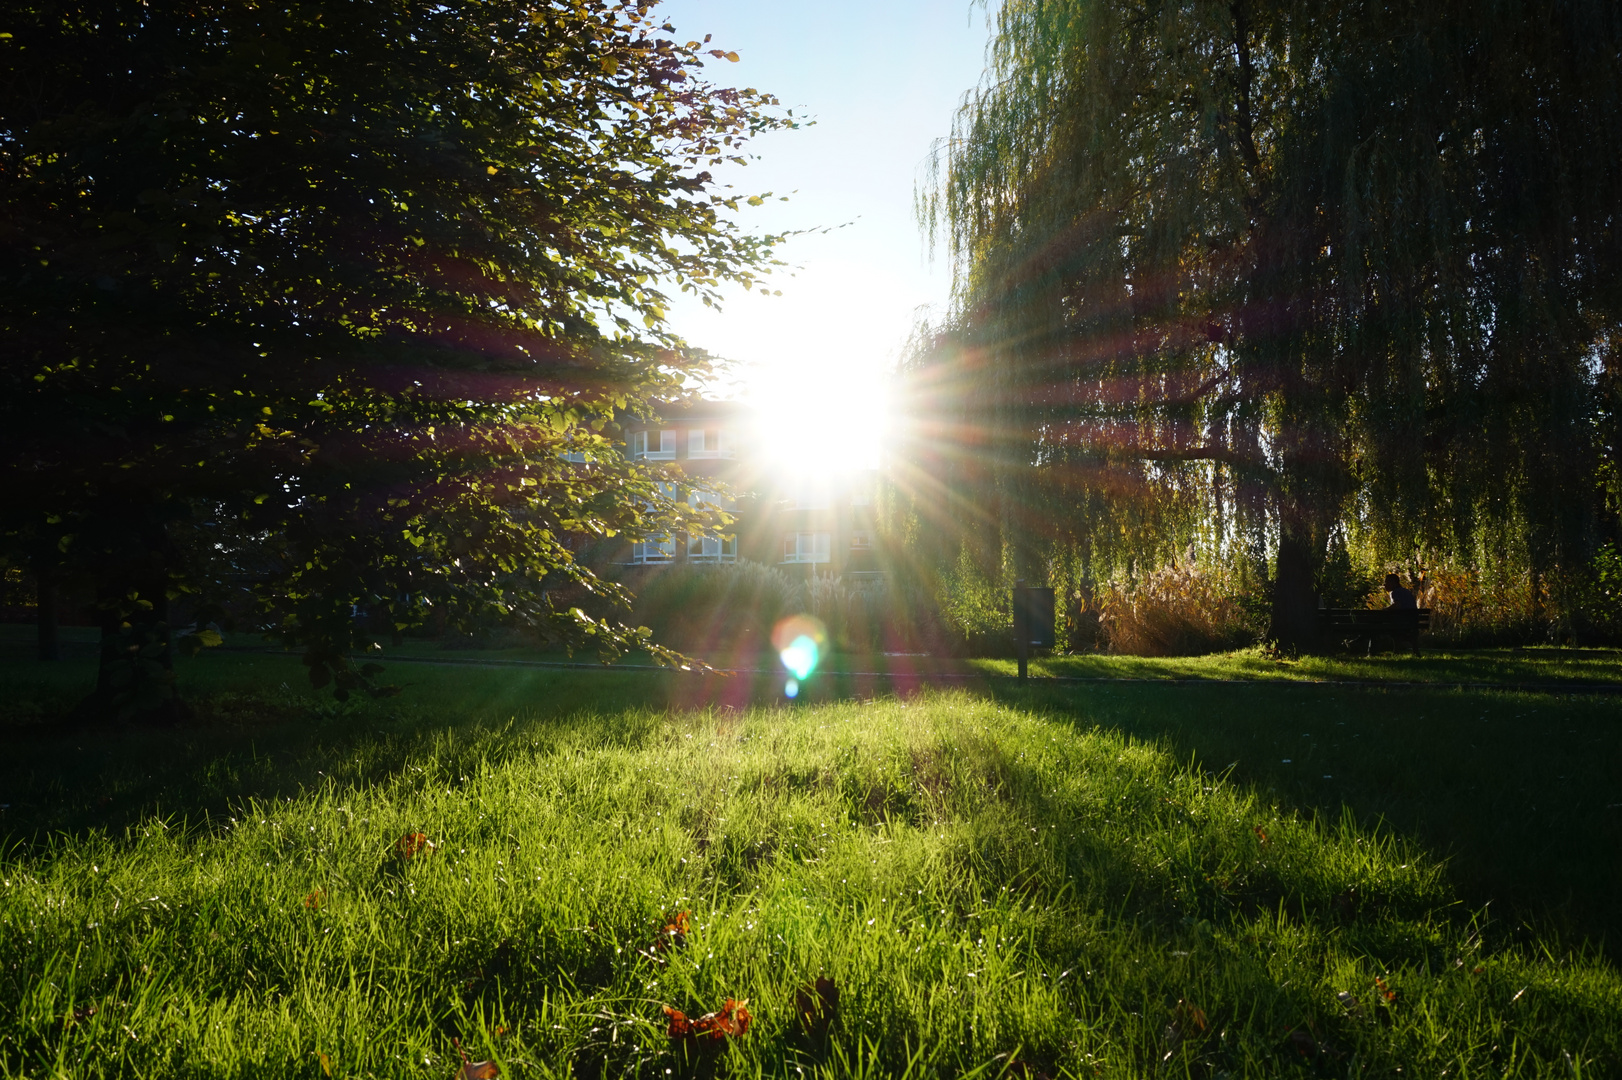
<point>800,641</point>
<point>791,689</point>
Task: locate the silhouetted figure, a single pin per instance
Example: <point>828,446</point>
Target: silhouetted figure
<point>1401,599</point>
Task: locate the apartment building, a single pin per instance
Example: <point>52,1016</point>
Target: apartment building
<point>799,522</point>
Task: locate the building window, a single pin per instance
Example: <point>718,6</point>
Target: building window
<point>807,547</point>
<point>861,540</point>
<point>723,444</point>
<point>653,551</point>
<point>701,444</point>
<point>640,446</point>
<point>712,500</point>
<point>712,549</point>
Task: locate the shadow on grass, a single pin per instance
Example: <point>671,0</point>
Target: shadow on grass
<point>1519,791</point>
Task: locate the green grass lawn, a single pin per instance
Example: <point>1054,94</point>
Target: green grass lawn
<point>1118,879</point>
<point>1587,667</point>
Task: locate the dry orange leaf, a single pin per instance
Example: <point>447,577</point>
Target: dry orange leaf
<point>413,844</point>
<point>729,1021</point>
<point>1261,834</point>
<point>1191,1017</point>
<point>673,932</point>
<point>314,900</point>
<point>1386,993</point>
<point>817,1005</point>
<point>474,1070</point>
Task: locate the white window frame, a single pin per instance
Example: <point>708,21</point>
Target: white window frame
<point>710,549</point>
<point>861,540</point>
<point>639,445</point>
<point>807,547</point>
<point>653,551</point>
<point>723,444</point>
<point>698,444</point>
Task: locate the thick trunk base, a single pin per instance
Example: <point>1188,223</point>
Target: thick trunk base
<point>1295,605</point>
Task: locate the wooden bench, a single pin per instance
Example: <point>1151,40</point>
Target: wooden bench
<point>1366,624</point>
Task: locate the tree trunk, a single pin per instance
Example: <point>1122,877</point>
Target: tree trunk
<point>46,610</point>
<point>135,678</point>
<point>1295,605</point>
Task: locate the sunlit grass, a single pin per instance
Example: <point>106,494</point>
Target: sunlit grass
<point>1438,665</point>
<point>986,884</point>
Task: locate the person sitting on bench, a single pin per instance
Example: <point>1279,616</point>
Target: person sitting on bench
<point>1401,599</point>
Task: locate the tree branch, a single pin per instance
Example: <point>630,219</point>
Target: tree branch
<point>1241,45</point>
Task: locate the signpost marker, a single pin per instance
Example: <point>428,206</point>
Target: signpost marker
<point>1033,622</point>
<point>1022,630</point>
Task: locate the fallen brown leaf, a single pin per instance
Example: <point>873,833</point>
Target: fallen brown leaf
<point>474,1070</point>
<point>413,844</point>
<point>817,1005</point>
<point>672,934</point>
<point>729,1021</point>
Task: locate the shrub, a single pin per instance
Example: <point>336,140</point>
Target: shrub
<point>977,610</point>
<point>1473,607</point>
<point>1174,612</point>
<point>715,610</point>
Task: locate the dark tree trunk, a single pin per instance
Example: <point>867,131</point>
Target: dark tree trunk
<point>46,608</point>
<point>1295,604</point>
<point>135,676</point>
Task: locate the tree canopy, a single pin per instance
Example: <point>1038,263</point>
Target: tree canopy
<point>1250,275</point>
<point>327,305</point>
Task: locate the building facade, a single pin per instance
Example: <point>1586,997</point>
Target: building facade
<point>800,521</point>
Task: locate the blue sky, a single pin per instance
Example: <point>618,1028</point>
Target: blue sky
<point>882,79</point>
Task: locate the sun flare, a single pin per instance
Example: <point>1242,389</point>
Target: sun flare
<point>811,430</point>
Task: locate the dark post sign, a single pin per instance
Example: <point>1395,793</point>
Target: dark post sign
<point>1033,620</point>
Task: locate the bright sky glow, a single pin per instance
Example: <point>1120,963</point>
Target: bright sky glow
<point>882,80</point>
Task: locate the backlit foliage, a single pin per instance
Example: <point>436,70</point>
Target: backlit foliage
<point>1238,275</point>
<point>303,308</point>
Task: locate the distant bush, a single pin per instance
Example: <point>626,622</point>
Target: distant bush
<point>716,609</point>
<point>1470,606</point>
<point>1174,612</point>
<point>976,610</point>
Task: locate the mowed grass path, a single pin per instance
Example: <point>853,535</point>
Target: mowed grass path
<point>995,888</point>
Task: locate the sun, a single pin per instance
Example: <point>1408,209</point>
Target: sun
<point>819,429</point>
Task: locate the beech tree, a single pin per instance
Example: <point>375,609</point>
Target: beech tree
<point>318,306</point>
<point>1244,274</point>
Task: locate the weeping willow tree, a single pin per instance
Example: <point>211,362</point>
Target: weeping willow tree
<point>1247,274</point>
